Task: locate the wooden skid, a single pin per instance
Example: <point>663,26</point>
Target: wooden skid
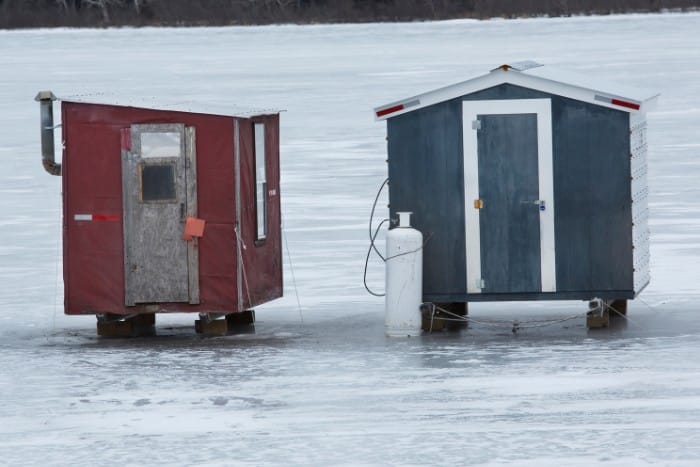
<point>244,318</point>
<point>135,326</point>
<point>440,321</point>
<point>232,323</point>
<point>596,319</point>
<point>600,316</point>
<point>216,327</point>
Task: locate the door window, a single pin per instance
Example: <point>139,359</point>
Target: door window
<point>158,183</point>
<point>160,144</point>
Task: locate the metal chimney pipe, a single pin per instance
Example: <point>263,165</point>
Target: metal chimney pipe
<point>48,156</point>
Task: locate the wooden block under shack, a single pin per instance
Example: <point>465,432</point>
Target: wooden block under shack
<point>598,317</point>
<point>444,321</point>
<point>111,325</point>
<point>215,327</point>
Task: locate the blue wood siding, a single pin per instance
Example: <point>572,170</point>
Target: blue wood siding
<point>425,177</point>
<point>593,220</point>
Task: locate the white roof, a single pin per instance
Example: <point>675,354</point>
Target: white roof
<point>532,75</point>
<point>201,107</point>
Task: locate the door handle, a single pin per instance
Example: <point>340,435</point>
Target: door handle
<point>540,203</point>
<point>537,202</point>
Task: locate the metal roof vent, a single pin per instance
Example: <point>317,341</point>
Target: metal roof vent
<point>519,66</point>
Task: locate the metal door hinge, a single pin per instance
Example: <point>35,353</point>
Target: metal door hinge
<point>476,124</point>
<point>481,284</point>
<point>478,204</point>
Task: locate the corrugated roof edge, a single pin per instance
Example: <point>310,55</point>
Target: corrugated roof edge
<point>154,103</point>
<point>535,76</point>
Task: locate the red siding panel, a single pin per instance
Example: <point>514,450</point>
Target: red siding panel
<point>93,251</point>
<point>262,259</point>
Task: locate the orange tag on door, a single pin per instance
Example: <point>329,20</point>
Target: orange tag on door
<point>193,228</point>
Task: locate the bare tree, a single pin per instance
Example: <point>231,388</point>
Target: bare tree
<point>33,13</point>
<point>103,5</point>
<point>138,5</point>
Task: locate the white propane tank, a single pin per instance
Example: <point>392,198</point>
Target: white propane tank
<point>404,279</point>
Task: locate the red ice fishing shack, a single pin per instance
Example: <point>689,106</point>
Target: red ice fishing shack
<point>166,208</point>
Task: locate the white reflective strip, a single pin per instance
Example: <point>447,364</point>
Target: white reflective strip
<point>83,217</point>
<point>543,109</point>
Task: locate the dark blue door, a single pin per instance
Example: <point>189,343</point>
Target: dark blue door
<point>509,189</point>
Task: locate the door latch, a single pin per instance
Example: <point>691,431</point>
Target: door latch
<point>538,202</point>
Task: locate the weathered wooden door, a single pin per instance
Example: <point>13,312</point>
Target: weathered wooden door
<point>159,192</point>
<point>509,196</point>
<point>509,217</point>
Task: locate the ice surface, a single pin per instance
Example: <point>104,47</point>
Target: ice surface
<point>333,390</point>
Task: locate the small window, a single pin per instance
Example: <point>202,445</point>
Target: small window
<point>158,183</point>
<point>160,145</point>
<point>260,181</point>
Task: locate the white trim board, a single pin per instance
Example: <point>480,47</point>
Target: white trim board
<point>543,109</point>
<point>531,79</point>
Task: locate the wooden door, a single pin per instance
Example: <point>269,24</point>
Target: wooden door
<point>159,191</point>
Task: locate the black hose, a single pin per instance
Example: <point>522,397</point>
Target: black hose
<point>372,237</point>
<point>371,217</point>
<point>369,252</point>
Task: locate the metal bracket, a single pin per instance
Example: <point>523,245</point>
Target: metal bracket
<point>476,124</point>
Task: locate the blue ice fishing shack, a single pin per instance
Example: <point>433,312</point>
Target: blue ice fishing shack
<point>528,183</point>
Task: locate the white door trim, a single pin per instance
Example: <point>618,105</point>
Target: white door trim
<point>543,109</point>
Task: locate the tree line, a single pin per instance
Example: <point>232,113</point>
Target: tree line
<point>103,13</point>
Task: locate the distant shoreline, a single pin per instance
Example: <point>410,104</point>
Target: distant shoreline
<point>185,13</point>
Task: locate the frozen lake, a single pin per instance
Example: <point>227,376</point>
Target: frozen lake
<point>331,390</point>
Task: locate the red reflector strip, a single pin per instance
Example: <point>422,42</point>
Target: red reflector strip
<point>95,217</point>
<point>629,105</point>
<point>389,110</point>
<point>612,100</point>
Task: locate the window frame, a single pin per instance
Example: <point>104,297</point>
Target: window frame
<point>260,189</point>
